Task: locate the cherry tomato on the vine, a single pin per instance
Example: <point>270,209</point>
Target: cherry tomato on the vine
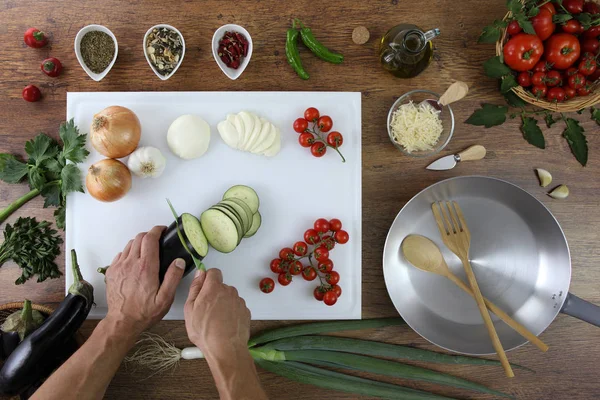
<point>590,46</point>
<point>573,26</point>
<point>309,274</point>
<point>319,292</point>
<point>587,66</point>
<point>311,236</point>
<point>266,285</point>
<point>328,242</point>
<point>556,94</point>
<point>573,6</point>
<point>325,266</point>
<point>322,225</point>
<point>585,90</point>
<point>300,249</point>
<point>300,125</point>
<point>311,114</point>
<point>296,268</point>
<point>337,290</point>
<point>306,139</point>
<point>539,91</point>
<point>284,278</point>
<point>553,78</point>
<point>570,71</point>
<point>524,79</point>
<point>318,149</point>
<point>513,28</point>
<point>276,266</point>
<point>341,237</point>
<point>330,298</point>
<point>569,92</point>
<point>286,254</point>
<point>591,7</point>
<point>336,224</point>
<point>321,253</point>
<point>538,78</point>
<point>542,66</point>
<point>335,139</point>
<point>325,123</point>
<point>577,80</point>
<point>332,277</point>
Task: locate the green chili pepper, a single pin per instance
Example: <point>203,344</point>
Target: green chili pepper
<point>317,48</point>
<point>291,52</point>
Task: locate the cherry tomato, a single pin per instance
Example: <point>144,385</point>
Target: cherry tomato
<point>51,67</point>
<point>322,225</point>
<point>570,92</point>
<point>587,66</point>
<point>513,28</point>
<point>311,114</point>
<point>562,50</point>
<point>577,80</point>
<point>284,278</point>
<point>318,149</point>
<point>538,78</point>
<point>311,236</point>
<point>573,26</point>
<point>276,266</point>
<point>553,78</point>
<point>539,91</point>
<point>335,139</point>
<point>332,277</point>
<point>542,24</point>
<point>542,66</point>
<point>591,7</point>
<point>590,46</point>
<point>306,139</point>
<point>585,90</point>
<point>296,268</point>
<point>523,51</point>
<point>573,6</point>
<point>321,253</point>
<point>330,298</point>
<point>309,274</point>
<point>556,94</point>
<point>524,79</point>
<point>266,285</point>
<point>325,123</point>
<point>325,266</point>
<point>286,254</point>
<point>35,38</point>
<point>341,237</point>
<point>300,125</point>
<point>335,224</point>
<point>549,6</point>
<point>337,290</point>
<point>570,71</point>
<point>319,292</point>
<point>300,249</point>
<point>31,93</point>
<point>328,242</point>
<point>592,33</point>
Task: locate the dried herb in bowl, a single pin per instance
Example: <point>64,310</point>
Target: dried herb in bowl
<point>164,47</point>
<point>97,50</point>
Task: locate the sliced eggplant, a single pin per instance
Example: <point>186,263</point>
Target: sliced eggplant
<point>241,211</point>
<point>256,221</point>
<point>171,248</point>
<point>220,230</point>
<point>194,234</point>
<point>233,217</point>
<point>246,194</point>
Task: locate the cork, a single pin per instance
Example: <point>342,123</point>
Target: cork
<point>360,35</point>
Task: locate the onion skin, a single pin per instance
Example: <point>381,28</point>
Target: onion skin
<point>108,180</point>
<point>115,132</point>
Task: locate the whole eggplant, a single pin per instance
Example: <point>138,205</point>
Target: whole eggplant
<point>8,343</point>
<point>35,358</point>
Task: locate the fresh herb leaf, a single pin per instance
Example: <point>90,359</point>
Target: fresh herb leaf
<point>561,18</point>
<point>514,100</point>
<point>508,82</point>
<point>514,6</point>
<point>36,178</point>
<point>59,216</point>
<point>525,24</point>
<point>51,195</point>
<point>40,148</point>
<point>492,33</point>
<point>495,68</point>
<point>596,115</point>
<point>73,143</point>
<point>532,132</point>
<point>576,139</point>
<point>489,115</point>
<point>70,177</point>
<point>549,118</point>
<point>12,170</point>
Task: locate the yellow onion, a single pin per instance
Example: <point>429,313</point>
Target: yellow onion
<point>108,180</point>
<point>115,131</point>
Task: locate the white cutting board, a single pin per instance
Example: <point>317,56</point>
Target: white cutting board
<point>295,189</point>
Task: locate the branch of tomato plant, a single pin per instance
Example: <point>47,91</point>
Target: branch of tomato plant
<point>320,139</point>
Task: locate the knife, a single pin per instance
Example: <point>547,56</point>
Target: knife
<point>472,153</point>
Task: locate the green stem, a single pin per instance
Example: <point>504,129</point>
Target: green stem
<point>77,277</point>
<point>80,287</point>
<point>15,205</point>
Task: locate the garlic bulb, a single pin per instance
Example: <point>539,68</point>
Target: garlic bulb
<point>147,162</point>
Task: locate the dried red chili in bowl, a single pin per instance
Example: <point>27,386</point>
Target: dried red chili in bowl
<point>233,46</point>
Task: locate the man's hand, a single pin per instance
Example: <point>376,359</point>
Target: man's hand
<point>135,297</point>
<point>216,318</point>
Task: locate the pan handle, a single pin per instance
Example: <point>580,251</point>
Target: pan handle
<point>584,310</point>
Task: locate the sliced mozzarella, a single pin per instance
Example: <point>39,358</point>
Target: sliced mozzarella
<point>254,134</point>
<point>231,118</point>
<point>248,121</point>
<point>264,139</point>
<point>228,133</point>
<point>239,126</point>
<point>270,137</point>
<point>275,147</point>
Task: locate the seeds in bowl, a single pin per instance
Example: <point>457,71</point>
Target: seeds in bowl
<point>416,127</point>
<point>164,47</point>
<point>97,50</point>
<point>233,46</point>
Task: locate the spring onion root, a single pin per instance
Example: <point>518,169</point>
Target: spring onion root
<point>155,353</point>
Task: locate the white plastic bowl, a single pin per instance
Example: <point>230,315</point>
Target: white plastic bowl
<point>164,77</point>
<point>231,73</point>
<point>79,36</point>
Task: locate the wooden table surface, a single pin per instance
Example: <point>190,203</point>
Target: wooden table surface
<point>569,369</point>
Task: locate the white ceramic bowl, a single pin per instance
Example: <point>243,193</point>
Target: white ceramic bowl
<point>231,73</point>
<point>79,36</point>
<point>164,77</point>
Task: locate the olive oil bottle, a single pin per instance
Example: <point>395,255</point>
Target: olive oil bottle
<point>405,50</point>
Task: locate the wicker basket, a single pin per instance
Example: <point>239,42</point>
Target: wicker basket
<point>7,309</point>
<point>574,104</point>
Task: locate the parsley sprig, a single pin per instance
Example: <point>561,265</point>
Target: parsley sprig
<point>50,170</point>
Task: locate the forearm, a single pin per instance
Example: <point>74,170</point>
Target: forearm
<point>86,375</point>
<point>235,376</point>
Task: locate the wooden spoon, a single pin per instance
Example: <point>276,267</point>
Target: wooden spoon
<point>425,255</point>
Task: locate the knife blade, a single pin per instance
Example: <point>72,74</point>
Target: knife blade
<point>472,153</point>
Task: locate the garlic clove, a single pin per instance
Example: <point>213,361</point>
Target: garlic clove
<point>544,177</point>
<point>559,192</point>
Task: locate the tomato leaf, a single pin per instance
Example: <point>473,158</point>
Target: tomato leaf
<point>532,132</point>
<point>495,68</point>
<point>493,32</point>
<point>576,139</point>
<point>525,24</point>
<point>533,11</point>
<point>514,6</point>
<point>514,100</point>
<point>596,115</point>
<point>508,82</point>
<point>561,18</point>
<point>488,115</point>
<point>549,118</point>
<point>585,19</point>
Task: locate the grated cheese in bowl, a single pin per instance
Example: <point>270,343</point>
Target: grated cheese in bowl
<point>416,127</point>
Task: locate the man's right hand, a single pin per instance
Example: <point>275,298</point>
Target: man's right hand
<point>216,317</point>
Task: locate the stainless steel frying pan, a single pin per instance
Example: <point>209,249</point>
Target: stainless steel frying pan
<point>519,254</point>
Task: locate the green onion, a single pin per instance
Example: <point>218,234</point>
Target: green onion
<point>322,327</point>
<point>337,381</point>
<point>385,367</point>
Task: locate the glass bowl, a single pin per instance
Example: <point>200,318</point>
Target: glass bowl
<point>447,117</point>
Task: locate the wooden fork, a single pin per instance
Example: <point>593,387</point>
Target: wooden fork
<point>456,236</point>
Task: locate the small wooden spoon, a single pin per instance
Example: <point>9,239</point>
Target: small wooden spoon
<point>457,91</point>
<point>425,255</point>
